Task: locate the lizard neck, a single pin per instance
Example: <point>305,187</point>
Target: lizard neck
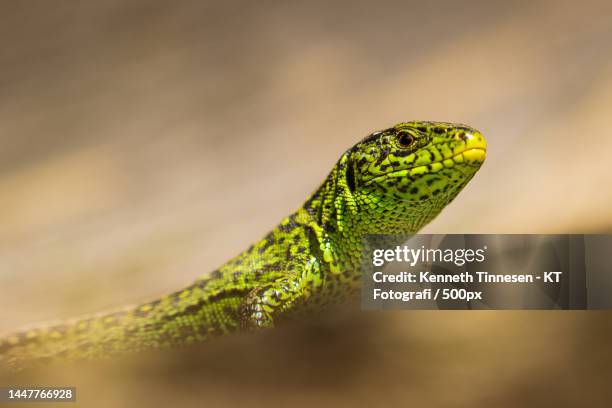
<point>334,212</point>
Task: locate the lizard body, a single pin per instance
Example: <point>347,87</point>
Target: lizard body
<point>393,181</point>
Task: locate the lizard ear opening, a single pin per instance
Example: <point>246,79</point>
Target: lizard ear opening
<point>350,177</point>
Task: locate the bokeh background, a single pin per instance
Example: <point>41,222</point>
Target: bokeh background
<point>143,143</point>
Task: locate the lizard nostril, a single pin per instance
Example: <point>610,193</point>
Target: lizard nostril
<point>461,136</point>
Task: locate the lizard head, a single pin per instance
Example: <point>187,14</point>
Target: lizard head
<point>398,179</point>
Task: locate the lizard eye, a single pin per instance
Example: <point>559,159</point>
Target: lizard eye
<point>405,139</point>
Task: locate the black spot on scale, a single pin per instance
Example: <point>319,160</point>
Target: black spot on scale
<point>438,130</point>
<point>383,156</point>
<point>276,266</point>
<point>309,203</point>
<point>350,178</point>
<point>312,209</point>
<point>269,240</point>
<point>430,182</point>
<point>414,190</point>
<point>202,283</point>
<point>224,294</point>
<point>290,226</point>
<point>155,303</point>
<point>423,197</point>
<point>176,298</point>
<point>403,189</point>
<point>371,137</point>
<point>362,162</point>
<point>403,153</point>
<point>140,312</point>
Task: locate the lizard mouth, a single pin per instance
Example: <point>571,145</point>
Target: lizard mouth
<point>473,157</point>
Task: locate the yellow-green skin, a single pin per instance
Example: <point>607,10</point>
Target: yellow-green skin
<point>392,182</point>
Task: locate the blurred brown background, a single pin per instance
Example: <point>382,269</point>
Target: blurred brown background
<point>143,143</point>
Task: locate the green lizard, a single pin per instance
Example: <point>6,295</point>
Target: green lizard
<point>392,182</point>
